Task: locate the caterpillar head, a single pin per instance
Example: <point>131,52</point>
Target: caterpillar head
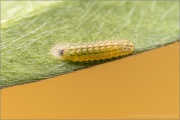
<point>58,50</point>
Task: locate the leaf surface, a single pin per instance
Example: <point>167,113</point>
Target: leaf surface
<point>29,35</point>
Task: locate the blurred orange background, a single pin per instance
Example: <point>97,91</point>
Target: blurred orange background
<point>143,86</point>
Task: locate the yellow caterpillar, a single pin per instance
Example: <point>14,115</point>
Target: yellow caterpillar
<point>97,51</point>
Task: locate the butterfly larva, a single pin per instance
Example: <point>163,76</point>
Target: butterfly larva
<point>97,51</point>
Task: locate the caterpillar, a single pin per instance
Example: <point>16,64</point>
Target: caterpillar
<point>97,51</point>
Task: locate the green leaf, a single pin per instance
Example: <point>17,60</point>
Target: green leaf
<point>29,34</point>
